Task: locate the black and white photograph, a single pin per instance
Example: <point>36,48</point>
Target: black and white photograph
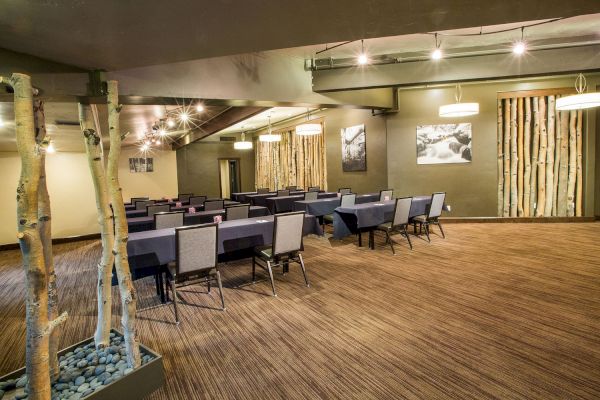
<point>141,164</point>
<point>444,144</point>
<point>354,148</point>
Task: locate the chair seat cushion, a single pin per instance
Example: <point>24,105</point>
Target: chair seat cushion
<point>387,226</point>
<point>328,218</point>
<point>420,218</point>
<point>264,252</point>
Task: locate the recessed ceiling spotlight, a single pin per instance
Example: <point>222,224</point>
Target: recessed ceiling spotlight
<point>50,148</point>
<point>363,58</point>
<point>184,117</point>
<point>162,132</point>
<point>437,53</point>
<point>145,147</point>
<point>199,108</point>
<point>170,123</point>
<point>520,46</point>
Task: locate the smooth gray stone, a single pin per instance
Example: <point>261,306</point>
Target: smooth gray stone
<point>95,383</point>
<point>61,386</point>
<point>83,387</point>
<point>64,377</point>
<point>110,368</point>
<point>75,396</point>
<point>116,358</point>
<point>22,381</point>
<point>99,369</point>
<point>89,372</point>
<point>82,364</point>
<point>127,371</point>
<point>103,376</point>
<point>20,396</point>
<point>89,391</point>
<point>102,360</point>
<point>79,381</point>
<point>113,349</point>
<point>108,381</point>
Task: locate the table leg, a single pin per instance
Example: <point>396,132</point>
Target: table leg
<point>372,239</point>
<point>359,238</point>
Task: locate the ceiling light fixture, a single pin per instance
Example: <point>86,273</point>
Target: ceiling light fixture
<point>1,122</point>
<point>581,100</point>
<point>170,123</point>
<point>184,116</point>
<point>363,59</point>
<point>270,137</point>
<point>308,128</point>
<point>242,144</point>
<point>50,147</point>
<point>437,54</point>
<point>458,109</point>
<point>520,46</point>
<point>199,108</point>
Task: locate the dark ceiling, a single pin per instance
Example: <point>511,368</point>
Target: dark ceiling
<point>117,34</point>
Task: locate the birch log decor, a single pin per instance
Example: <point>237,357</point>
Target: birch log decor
<point>126,289</point>
<point>39,325</point>
<point>95,156</point>
<point>540,156</point>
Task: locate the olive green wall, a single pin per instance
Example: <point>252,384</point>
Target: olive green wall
<point>471,188</point>
<point>198,171</point>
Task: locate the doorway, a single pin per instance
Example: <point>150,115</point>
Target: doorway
<point>229,176</point>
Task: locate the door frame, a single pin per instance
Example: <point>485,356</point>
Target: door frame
<point>239,171</point>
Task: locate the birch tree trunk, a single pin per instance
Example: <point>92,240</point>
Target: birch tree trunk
<point>520,165</point>
<point>45,229</point>
<point>513,158</point>
<point>550,159</point>
<point>95,156</point>
<point>126,289</point>
<point>506,200</point>
<point>527,157</point>
<point>535,148</point>
<point>557,145</point>
<point>541,197</point>
<point>564,164</point>
<point>572,164</point>
<point>579,197</point>
<point>500,160</point>
<point>39,327</point>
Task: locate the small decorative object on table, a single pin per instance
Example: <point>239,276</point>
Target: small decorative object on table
<point>217,219</point>
<point>178,204</point>
<point>192,210</point>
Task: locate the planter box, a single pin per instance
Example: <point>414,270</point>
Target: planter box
<point>134,386</point>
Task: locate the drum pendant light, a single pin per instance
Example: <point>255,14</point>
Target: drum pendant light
<point>458,109</point>
<point>580,100</point>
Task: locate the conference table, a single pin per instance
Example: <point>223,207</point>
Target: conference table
<point>326,206</point>
<point>367,216</point>
<point>145,223</point>
<point>280,204</point>
<point>133,213</point>
<point>261,199</point>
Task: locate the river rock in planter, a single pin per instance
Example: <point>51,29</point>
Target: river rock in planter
<point>22,382</point>
<point>99,369</point>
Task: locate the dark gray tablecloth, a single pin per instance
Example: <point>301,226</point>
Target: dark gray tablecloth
<point>242,197</point>
<point>146,223</point>
<point>133,213</point>
<point>261,199</point>
<point>326,206</point>
<point>233,235</point>
<point>286,203</point>
<point>348,220</point>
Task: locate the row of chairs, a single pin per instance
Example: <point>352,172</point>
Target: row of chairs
<point>197,255</point>
<point>174,219</point>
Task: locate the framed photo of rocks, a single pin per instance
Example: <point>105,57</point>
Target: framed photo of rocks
<point>444,144</point>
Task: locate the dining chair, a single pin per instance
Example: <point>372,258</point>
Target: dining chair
<point>197,200</point>
<point>170,219</point>
<point>196,260</point>
<point>294,187</point>
<point>134,199</point>
<point>140,205</point>
<point>389,193</point>
<point>283,193</point>
<point>263,191</point>
<point>311,195</point>
<point>237,212</point>
<point>346,200</point>
<point>432,216</point>
<point>344,191</point>
<point>212,205</point>
<point>399,223</point>
<point>285,248</point>
<point>152,209</point>
<point>314,189</point>
<point>184,197</point>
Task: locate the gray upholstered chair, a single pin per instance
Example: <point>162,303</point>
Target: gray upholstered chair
<point>399,222</point>
<point>283,193</point>
<point>152,209</point>
<point>196,249</point>
<point>347,200</point>
<point>140,205</point>
<point>432,216</point>
<point>197,200</point>
<point>311,195</point>
<point>212,205</point>
<point>237,212</point>
<point>344,191</point>
<point>389,193</point>
<point>314,189</point>
<point>134,199</point>
<point>184,197</point>
<point>263,190</point>
<point>286,246</point>
<point>291,187</point>
<point>171,219</point>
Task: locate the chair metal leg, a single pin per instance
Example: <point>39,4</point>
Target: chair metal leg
<point>271,276</point>
<point>407,238</point>
<point>221,290</point>
<point>441,229</point>
<point>208,284</point>
<point>426,225</point>
<point>359,238</point>
<point>389,240</point>
<point>157,282</point>
<point>253,269</point>
<point>174,290</point>
<point>303,270</point>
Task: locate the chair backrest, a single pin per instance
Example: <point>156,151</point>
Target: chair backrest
<point>152,209</point>
<point>281,193</point>
<point>184,197</point>
<point>437,203</point>
<point>196,248</point>
<point>311,195</point>
<point>348,200</point>
<point>140,205</point>
<point>314,189</point>
<point>262,190</point>
<point>134,199</point>
<point>291,187</point>
<point>389,193</point>
<point>287,232</point>
<point>211,205</point>
<point>237,212</point>
<point>197,200</point>
<point>171,219</point>
<point>344,191</point>
<point>402,211</point>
